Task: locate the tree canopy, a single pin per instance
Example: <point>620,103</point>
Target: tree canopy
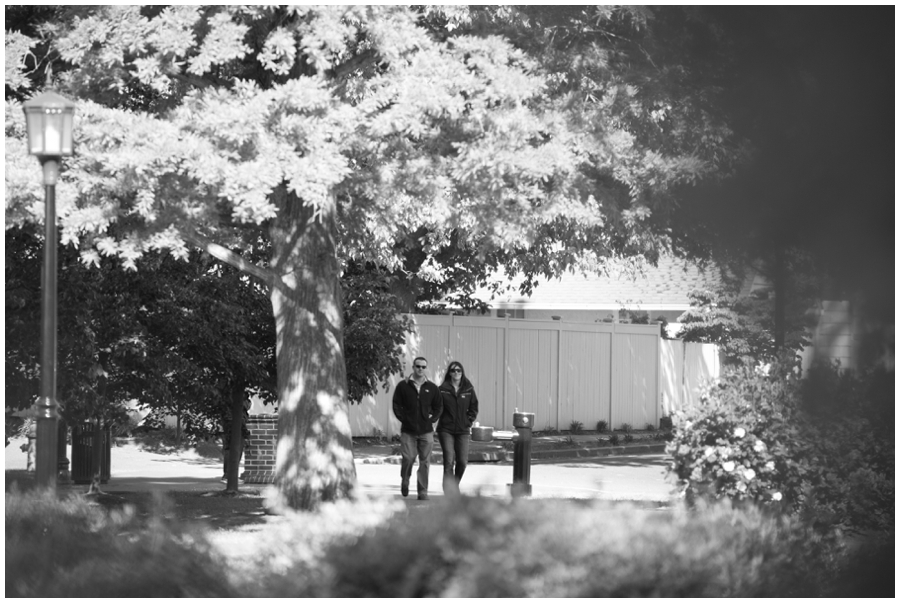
<point>812,90</point>
<point>178,336</point>
<point>535,139</point>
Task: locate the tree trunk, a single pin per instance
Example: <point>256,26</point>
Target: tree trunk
<point>237,438</point>
<point>779,271</point>
<point>96,457</point>
<point>314,457</point>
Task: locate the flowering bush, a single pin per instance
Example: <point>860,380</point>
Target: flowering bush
<point>750,439</point>
<point>736,442</point>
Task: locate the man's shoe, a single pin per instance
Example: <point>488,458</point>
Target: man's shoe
<point>404,488</point>
<point>423,497</point>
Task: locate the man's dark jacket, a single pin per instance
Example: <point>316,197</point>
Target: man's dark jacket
<point>417,410</point>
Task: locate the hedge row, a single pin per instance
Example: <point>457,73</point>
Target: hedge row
<point>469,547</point>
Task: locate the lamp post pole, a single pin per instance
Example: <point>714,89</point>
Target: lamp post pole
<point>48,120</point>
<point>46,413</point>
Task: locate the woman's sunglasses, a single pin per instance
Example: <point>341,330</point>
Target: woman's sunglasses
<point>456,370</point>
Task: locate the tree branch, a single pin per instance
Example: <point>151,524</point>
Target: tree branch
<point>229,257</point>
<point>355,62</point>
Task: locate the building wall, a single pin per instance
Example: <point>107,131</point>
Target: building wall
<point>836,337</point>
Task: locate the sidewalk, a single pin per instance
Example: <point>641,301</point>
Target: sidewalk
<point>611,473</point>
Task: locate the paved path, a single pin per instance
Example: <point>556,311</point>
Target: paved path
<point>636,478</point>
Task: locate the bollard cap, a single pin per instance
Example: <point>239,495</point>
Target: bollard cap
<point>523,420</point>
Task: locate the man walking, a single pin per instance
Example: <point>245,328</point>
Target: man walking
<point>417,405</point>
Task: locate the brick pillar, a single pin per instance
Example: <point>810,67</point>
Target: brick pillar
<point>259,450</point>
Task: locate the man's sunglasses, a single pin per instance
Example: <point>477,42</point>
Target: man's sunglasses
<point>420,366</point>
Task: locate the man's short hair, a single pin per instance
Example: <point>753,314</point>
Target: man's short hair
<point>417,358</point>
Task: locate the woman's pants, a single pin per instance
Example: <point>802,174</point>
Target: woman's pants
<point>455,448</point>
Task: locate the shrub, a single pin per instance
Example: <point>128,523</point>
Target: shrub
<point>749,439</point>
<point>665,422</point>
<point>568,442</point>
<point>628,438</point>
<point>71,548</point>
<point>649,427</point>
<point>614,439</point>
<point>602,426</point>
<point>482,547</point>
<point>626,427</point>
<point>575,427</point>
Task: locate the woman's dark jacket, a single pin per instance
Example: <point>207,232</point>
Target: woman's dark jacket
<point>417,410</point>
<point>460,408</point>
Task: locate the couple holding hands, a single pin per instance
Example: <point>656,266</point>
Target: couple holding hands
<point>418,403</point>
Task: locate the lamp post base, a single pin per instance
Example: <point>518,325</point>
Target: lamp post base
<point>45,462</point>
<point>62,462</point>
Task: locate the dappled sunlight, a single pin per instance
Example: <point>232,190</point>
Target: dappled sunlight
<point>289,401</point>
<point>314,456</point>
<point>334,408</point>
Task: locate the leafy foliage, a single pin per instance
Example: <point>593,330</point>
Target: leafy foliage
<point>177,336</point>
<point>750,439</point>
<point>736,324</point>
<point>373,331</point>
<point>744,325</point>
<point>482,547</point>
<point>583,131</point>
<point>73,548</point>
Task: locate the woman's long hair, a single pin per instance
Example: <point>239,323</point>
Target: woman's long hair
<point>463,380</point>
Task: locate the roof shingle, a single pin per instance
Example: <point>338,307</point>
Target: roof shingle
<point>665,286</point>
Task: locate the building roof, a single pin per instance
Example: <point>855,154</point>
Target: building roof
<point>662,287</point>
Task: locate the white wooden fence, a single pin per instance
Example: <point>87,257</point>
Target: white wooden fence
<point>562,372</point>
<point>684,367</point>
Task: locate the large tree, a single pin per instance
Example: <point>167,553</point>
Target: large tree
<point>353,132</point>
<point>812,88</point>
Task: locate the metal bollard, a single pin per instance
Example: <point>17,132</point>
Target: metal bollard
<point>521,438</point>
<point>521,485</point>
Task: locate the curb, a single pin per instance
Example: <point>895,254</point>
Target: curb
<point>595,452</point>
<point>561,453</point>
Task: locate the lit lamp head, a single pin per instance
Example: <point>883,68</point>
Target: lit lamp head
<point>48,118</point>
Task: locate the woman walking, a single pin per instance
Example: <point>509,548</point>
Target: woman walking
<point>460,410</point>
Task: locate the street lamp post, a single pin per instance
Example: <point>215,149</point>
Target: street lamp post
<point>48,119</point>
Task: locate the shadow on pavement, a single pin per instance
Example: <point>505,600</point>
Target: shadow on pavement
<point>215,509</point>
<point>181,499</point>
<point>609,461</point>
<point>187,461</point>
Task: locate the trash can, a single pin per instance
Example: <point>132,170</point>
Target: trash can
<point>83,453</point>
